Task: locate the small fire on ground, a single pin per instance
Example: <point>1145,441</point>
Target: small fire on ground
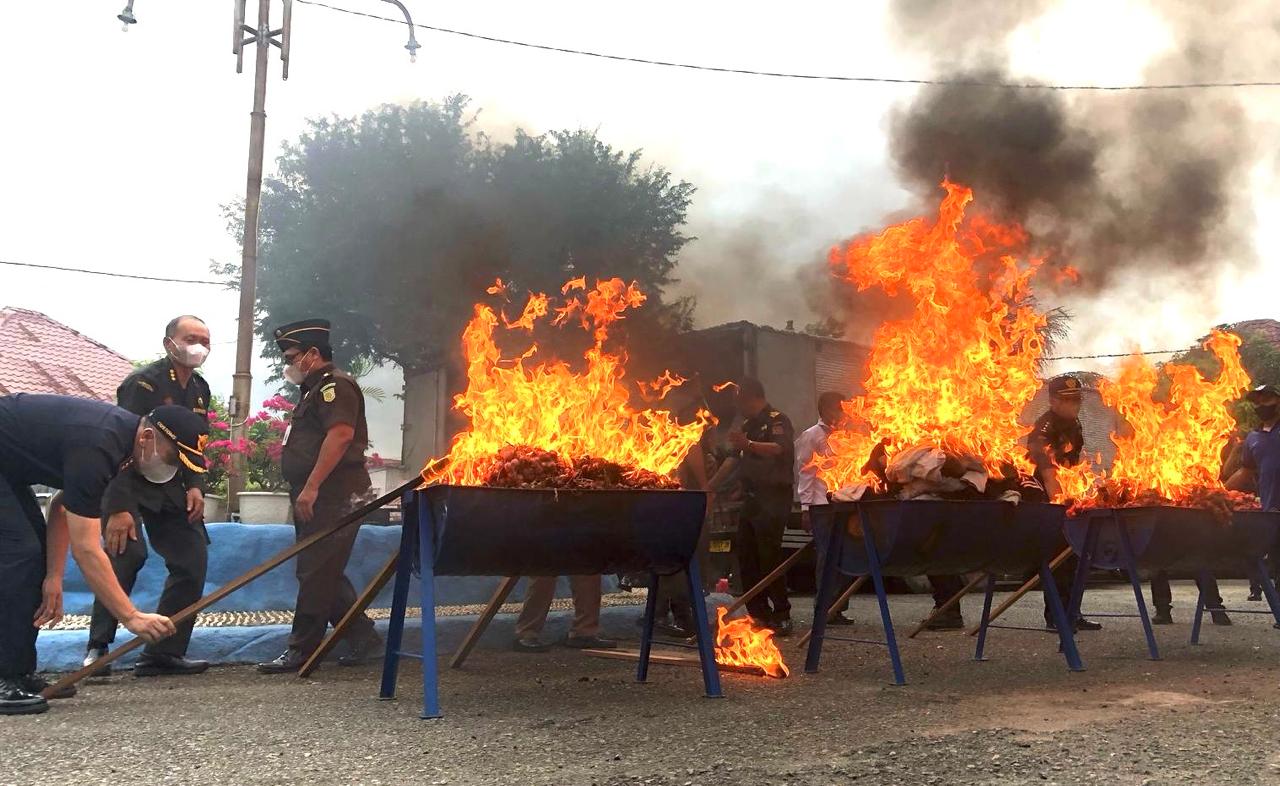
<point>742,642</point>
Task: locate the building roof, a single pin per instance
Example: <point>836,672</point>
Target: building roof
<point>42,355</point>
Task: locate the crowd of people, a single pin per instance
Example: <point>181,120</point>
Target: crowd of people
<point>132,474</point>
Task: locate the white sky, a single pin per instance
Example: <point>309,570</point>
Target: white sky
<point>117,150</point>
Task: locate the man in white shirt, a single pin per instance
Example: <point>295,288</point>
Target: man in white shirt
<point>812,491</point>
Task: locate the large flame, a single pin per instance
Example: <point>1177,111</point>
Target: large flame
<point>548,405</point>
<point>1170,443</point>
<point>740,642</point>
<point>957,372</point>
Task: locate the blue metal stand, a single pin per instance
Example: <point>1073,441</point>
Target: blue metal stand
<point>706,642</point>
<point>1131,567</point>
<point>399,599</point>
<point>1061,621</point>
<point>1199,618</point>
<point>1268,589</point>
<point>1256,570</point>
<point>873,561</point>
<point>427,583</point>
<point>646,631</point>
<point>826,589</point>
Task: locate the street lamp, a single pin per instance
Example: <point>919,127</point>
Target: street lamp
<point>413,46</point>
<point>126,17</point>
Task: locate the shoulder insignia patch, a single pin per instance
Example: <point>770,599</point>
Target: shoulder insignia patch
<point>329,392</point>
<point>774,413</point>
<point>145,385</point>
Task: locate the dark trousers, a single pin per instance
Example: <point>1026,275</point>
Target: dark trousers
<point>945,588</point>
<point>1162,593</point>
<point>184,547</point>
<point>820,522</point>
<point>324,592</point>
<point>22,569</point>
<point>673,590</point>
<point>764,517</point>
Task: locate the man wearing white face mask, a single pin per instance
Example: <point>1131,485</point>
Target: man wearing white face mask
<point>172,512</point>
<point>77,445</point>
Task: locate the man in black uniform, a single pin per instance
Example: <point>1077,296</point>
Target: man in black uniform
<point>1057,440</point>
<point>324,463</point>
<point>77,445</point>
<point>173,514</point>
<point>767,446</point>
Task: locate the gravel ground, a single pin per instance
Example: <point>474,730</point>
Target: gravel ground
<point>1206,714</point>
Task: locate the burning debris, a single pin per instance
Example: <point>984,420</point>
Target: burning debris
<point>1175,425</point>
<point>546,425</point>
<point>533,468</point>
<point>956,372</point>
<point>740,642</point>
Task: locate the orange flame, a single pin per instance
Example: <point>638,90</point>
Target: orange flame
<point>1172,443</point>
<point>550,406</point>
<point>957,372</point>
<point>724,386</point>
<point>740,642</point>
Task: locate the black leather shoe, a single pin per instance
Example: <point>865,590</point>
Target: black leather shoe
<point>157,664</point>
<point>673,631</point>
<point>839,619</point>
<point>590,643</point>
<point>287,663</point>
<point>93,653</point>
<point>33,684</point>
<point>1162,617</point>
<point>1084,624</point>
<point>369,648</point>
<point>14,700</point>
<point>529,645</point>
<point>1219,617</point>
<point>1255,595</point>
<point>782,628</point>
<point>952,620</point>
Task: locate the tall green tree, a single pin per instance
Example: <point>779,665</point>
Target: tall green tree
<point>1259,355</point>
<point>393,223</point>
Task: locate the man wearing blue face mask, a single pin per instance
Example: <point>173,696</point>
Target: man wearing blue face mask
<point>172,513</point>
<point>76,445</point>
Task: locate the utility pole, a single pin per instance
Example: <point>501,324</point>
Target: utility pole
<point>242,381</point>
<point>264,38</point>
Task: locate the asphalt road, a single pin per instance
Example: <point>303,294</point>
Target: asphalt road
<point>1204,715</point>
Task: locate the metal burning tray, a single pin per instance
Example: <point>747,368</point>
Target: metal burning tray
<point>914,537</point>
<point>1166,537</point>
<point>482,531</point>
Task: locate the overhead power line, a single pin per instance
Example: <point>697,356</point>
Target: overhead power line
<point>1119,354</point>
<point>111,274</point>
<point>979,83</point>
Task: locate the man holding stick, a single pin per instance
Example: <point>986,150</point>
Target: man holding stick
<point>77,445</point>
<point>323,461</point>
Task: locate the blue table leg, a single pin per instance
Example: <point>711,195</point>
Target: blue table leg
<point>646,631</point>
<point>873,560</point>
<point>986,617</point>
<point>1268,589</point>
<point>1084,563</point>
<point>399,599</point>
<point>430,668</point>
<point>1066,630</point>
<point>706,644</point>
<point>1199,618</point>
<point>826,590</point>
<point>1131,567</point>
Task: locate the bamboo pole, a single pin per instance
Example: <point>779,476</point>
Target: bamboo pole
<point>760,587</point>
<point>1030,584</point>
<point>230,587</point>
<point>362,602</point>
<point>499,597</point>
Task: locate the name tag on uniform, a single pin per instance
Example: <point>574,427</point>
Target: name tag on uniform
<point>285,439</point>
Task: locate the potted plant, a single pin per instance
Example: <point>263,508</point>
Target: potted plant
<point>218,458</point>
<point>264,500</point>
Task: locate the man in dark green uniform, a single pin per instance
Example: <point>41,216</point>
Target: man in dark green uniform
<point>172,513</point>
<point>1057,440</point>
<point>767,446</point>
<point>323,461</point>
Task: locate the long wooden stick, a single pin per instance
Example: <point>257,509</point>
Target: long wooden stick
<point>764,583</point>
<point>848,593</point>
<point>231,586</point>
<point>670,660</point>
<point>951,602</point>
<point>362,602</point>
<point>1030,584</point>
<point>477,630</point>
